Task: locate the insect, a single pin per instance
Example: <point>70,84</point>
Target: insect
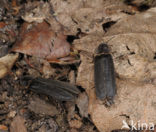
<point>104,75</point>
<point>59,90</point>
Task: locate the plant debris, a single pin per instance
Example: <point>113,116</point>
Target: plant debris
<point>18,125</point>
<point>39,106</point>
<point>49,86</point>
<point>38,40</point>
<point>6,64</point>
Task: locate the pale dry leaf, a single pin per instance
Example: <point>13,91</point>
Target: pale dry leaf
<point>132,44</point>
<point>18,125</point>
<point>141,23</point>
<point>48,71</point>
<point>36,12</point>
<point>72,77</point>
<point>87,15</point>
<point>82,103</point>
<point>39,11</point>
<point>132,100</point>
<point>6,63</point>
<point>68,7</point>
<point>63,11</point>
<point>75,124</point>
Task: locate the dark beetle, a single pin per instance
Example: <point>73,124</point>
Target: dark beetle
<point>104,75</point>
<point>59,90</point>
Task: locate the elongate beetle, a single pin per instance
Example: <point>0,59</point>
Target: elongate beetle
<point>104,75</point>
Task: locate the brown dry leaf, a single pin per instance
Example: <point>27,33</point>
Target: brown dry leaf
<point>40,41</point>
<point>75,122</point>
<point>71,110</point>
<point>132,42</point>
<point>41,107</point>
<point>18,125</point>
<point>6,64</point>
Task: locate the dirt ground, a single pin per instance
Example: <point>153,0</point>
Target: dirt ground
<point>57,40</point>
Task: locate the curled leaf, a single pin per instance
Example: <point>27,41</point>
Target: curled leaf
<point>40,41</point>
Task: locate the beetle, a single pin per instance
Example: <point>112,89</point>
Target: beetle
<point>104,74</point>
<point>58,90</point>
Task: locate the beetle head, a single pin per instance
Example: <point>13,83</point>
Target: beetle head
<point>102,48</point>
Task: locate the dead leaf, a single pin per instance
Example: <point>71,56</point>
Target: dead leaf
<point>82,103</point>
<point>48,71</point>
<point>132,42</point>
<point>6,64</point>
<point>40,41</point>
<point>72,77</point>
<point>132,100</point>
<point>132,46</point>
<point>71,110</point>
<point>36,11</point>
<point>141,23</point>
<point>75,122</point>
<point>41,107</point>
<point>88,15</point>
<point>18,125</point>
<point>12,114</point>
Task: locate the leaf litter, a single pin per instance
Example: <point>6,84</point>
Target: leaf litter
<point>133,49</point>
<point>44,29</point>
